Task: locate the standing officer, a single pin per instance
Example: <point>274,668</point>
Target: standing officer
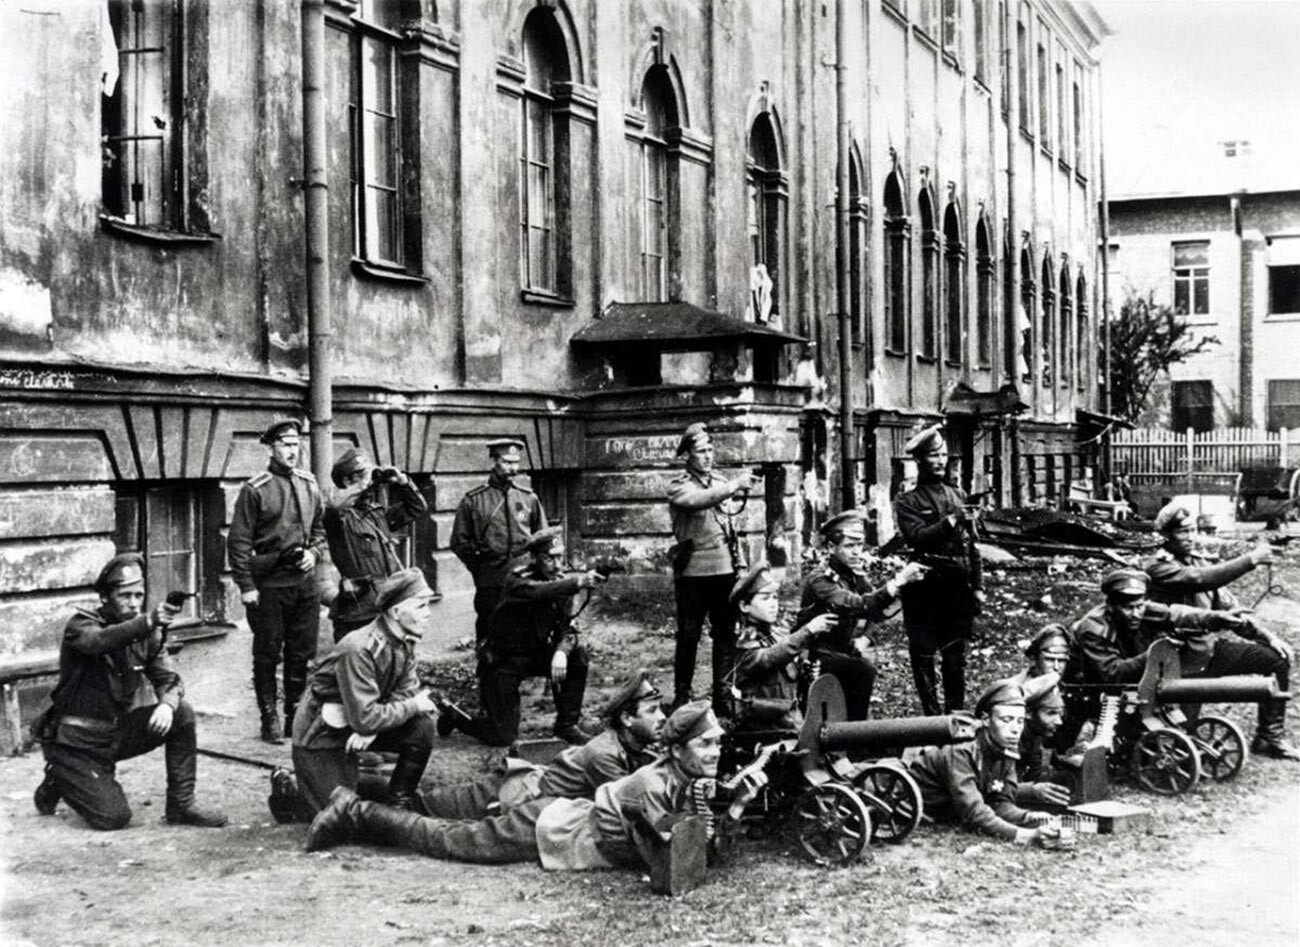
<point>706,560</point>
<point>118,696</point>
<point>276,536</point>
<point>841,589</point>
<point>939,610</point>
<point>372,503</point>
<point>492,524</point>
<point>531,634</point>
<point>1181,577</point>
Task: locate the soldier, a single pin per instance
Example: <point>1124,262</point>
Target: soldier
<point>493,522</point>
<point>974,783</point>
<point>531,634</point>
<point>1048,652</point>
<point>276,536</point>
<point>118,696</point>
<point>939,610</point>
<point>618,828</point>
<point>366,695</point>
<point>1181,577</point>
<point>765,672</point>
<point>1040,781</point>
<point>1114,638</point>
<point>840,588</point>
<point>372,503</point>
<point>635,720</point>
<point>706,560</point>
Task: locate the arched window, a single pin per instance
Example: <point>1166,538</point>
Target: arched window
<point>656,231</point>
<point>858,221</point>
<point>1047,330</point>
<point>1083,351</point>
<point>954,264</point>
<point>1066,334</point>
<point>541,180</point>
<point>929,275</point>
<point>983,294</point>
<point>1025,327</point>
<point>766,193</point>
<point>898,235</point>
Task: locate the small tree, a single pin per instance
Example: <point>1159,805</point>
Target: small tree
<point>1145,341</point>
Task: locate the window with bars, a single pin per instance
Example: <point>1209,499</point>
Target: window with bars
<point>897,263</point>
<point>1191,274</point>
<point>929,277</point>
<point>376,106</point>
<point>954,257</point>
<point>148,155</point>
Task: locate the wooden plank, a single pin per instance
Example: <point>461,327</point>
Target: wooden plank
<point>53,564</point>
<point>66,458</point>
<point>28,514</point>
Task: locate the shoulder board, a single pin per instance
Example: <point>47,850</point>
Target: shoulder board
<point>475,491</point>
<point>521,571</point>
<point>680,477</point>
<point>90,613</point>
<point>304,474</point>
<point>260,480</point>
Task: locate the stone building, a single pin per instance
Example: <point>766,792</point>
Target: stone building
<point>585,223</point>
<point>1229,263</point>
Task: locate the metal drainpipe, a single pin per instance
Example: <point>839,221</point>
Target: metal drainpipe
<point>848,495</point>
<point>1106,454</point>
<point>1011,346</point>
<point>316,194</point>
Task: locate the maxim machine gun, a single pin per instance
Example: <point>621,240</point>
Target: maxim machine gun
<point>840,783</point>
<point>1155,726</point>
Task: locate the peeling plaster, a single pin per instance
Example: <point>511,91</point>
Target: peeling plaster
<point>25,306</point>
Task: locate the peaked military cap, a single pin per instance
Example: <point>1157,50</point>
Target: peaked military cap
<point>696,435</point>
<point>279,427</point>
<point>638,688</point>
<point>1000,694</point>
<point>927,441</point>
<point>350,460</point>
<point>848,521</point>
<point>544,539</point>
<point>1037,688</point>
<point>400,586</point>
<point>1131,583</point>
<point>1173,516</point>
<point>690,721</point>
<point>126,568</point>
<point>503,446</point>
<point>1051,697</point>
<point>1046,639</point>
<point>749,583</point>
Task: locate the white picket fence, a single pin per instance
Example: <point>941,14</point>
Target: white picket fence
<point>1207,462</point>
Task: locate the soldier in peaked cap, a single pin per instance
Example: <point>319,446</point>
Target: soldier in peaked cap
<point>840,588</point>
<point>531,634</point>
<point>276,537</point>
<point>1180,575</point>
<point>635,719</point>
<point>1113,640</point>
<point>706,559</point>
<point>939,610</point>
<point>493,521</point>
<point>370,505</point>
<point>118,696</point>
<point>1041,782</point>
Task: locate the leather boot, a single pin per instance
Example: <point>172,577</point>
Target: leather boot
<point>1270,732</point>
<point>46,796</point>
<point>334,824</point>
<point>285,802</point>
<point>181,759</point>
<point>926,681</point>
<point>404,782</point>
<point>264,688</point>
<point>294,684</point>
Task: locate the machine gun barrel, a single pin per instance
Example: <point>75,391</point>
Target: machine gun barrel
<point>877,735</point>
<point>1238,689</point>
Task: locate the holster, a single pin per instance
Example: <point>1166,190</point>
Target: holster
<point>679,555</point>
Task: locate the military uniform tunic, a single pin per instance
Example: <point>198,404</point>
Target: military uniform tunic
<point>1195,580</point>
<point>973,784</point>
<point>766,671</point>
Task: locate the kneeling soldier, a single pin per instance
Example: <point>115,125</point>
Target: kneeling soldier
<point>366,695</point>
<point>974,783</point>
<point>118,696</point>
<point>635,719</point>
<point>765,671</point>
<point>620,827</point>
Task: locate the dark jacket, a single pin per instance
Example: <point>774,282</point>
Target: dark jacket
<point>922,516</point>
<point>766,670</point>
<point>105,671</point>
<point>493,521</point>
<point>360,534</point>
<point>534,616</point>
<point>580,770</point>
<point>1107,654</point>
<point>277,509</point>
<point>1195,580</point>
<point>693,499</point>
<point>848,596</point>
<point>973,784</point>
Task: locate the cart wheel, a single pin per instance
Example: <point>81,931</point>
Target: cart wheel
<point>832,824</point>
<point>894,800</point>
<point>1222,746</point>
<point>1166,762</point>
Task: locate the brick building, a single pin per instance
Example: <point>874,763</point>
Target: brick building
<point>585,223</point>
<point>1229,263</point>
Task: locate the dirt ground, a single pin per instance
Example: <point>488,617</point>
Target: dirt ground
<point>1221,865</point>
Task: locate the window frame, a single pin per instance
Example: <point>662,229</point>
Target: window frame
<point>1293,274</point>
<point>985,280</point>
<point>1083,349</point>
<point>765,200</point>
<point>370,34</point>
<point>1176,405</point>
<point>1065,335</point>
<point>1048,327</point>
<point>1044,80</point>
<point>954,287</point>
<point>1273,405</point>
<point>950,28</point>
<point>1024,105</point>
<point>931,247</point>
<point>896,267</point>
<point>1189,276</point>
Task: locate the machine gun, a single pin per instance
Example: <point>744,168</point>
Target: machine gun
<point>1156,725</point>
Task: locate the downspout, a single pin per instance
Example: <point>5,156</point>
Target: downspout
<point>1106,456</point>
<point>848,495</point>
<point>320,380</point>
<point>1010,320</point>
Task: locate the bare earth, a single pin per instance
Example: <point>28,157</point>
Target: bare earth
<point>1221,867</point>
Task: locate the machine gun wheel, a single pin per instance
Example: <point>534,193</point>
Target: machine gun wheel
<point>1222,746</point>
<point>894,799</point>
<point>832,824</point>
<point>1166,762</point>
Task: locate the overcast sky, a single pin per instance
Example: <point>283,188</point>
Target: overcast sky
<point>1181,76</point>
